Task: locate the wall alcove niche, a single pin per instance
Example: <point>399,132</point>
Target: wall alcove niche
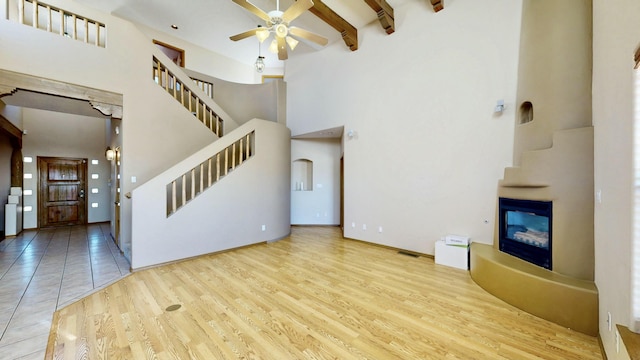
<point>526,112</point>
<point>302,175</point>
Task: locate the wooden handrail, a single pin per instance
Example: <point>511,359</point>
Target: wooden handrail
<point>183,94</point>
<point>195,181</point>
<point>58,21</point>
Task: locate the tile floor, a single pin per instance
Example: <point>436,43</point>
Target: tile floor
<point>42,271</point>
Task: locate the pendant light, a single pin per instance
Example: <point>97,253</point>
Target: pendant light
<point>259,65</point>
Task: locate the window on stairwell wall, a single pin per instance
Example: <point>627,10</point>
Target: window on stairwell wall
<point>635,262</point>
<point>175,54</point>
<point>270,78</point>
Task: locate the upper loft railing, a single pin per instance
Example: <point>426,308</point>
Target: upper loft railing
<point>184,95</point>
<point>192,183</point>
<point>58,21</point>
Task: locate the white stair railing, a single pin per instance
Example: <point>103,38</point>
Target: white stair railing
<point>195,181</point>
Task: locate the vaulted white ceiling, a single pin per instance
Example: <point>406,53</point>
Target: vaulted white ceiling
<point>209,23</point>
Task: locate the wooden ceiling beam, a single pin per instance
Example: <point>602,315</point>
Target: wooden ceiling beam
<point>437,5</point>
<point>349,32</point>
<point>385,14</point>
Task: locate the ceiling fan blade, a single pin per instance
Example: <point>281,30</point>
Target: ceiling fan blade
<point>245,34</point>
<point>308,35</point>
<point>282,48</point>
<point>296,9</point>
<point>254,9</point>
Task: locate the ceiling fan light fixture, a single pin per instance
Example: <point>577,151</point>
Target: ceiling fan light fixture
<point>281,30</point>
<point>274,46</point>
<point>262,35</point>
<point>278,23</point>
<point>292,42</point>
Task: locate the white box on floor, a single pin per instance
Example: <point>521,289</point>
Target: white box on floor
<point>16,191</point>
<point>13,199</point>
<point>456,240</point>
<point>456,256</point>
<point>10,219</point>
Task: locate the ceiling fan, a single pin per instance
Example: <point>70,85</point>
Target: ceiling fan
<point>278,23</point>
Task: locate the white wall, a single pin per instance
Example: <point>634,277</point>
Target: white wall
<point>321,205</point>
<point>11,113</point>
<point>204,61</point>
<point>227,215</point>
<point>428,151</point>
<point>53,134</point>
<point>244,102</point>
<point>616,37</point>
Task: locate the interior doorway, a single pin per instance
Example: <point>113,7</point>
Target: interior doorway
<point>175,54</point>
<point>62,191</point>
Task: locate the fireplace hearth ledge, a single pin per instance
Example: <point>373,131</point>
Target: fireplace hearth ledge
<point>566,301</point>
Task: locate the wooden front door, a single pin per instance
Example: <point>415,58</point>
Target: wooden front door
<point>61,198</point>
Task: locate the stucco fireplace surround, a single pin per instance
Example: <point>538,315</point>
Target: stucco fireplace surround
<point>553,163</point>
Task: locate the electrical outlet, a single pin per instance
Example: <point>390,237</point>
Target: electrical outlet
<point>364,226</point>
<point>353,224</point>
<point>380,229</point>
<point>264,227</point>
<point>609,321</point>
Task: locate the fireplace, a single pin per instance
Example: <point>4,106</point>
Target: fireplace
<point>525,230</point>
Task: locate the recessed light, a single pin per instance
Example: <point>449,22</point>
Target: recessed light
<point>174,26</point>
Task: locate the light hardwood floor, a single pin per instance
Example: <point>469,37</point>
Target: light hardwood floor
<point>313,295</point>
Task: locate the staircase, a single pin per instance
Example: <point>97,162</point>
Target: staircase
<point>188,98</point>
<point>232,192</point>
<point>190,187</point>
<point>194,182</point>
